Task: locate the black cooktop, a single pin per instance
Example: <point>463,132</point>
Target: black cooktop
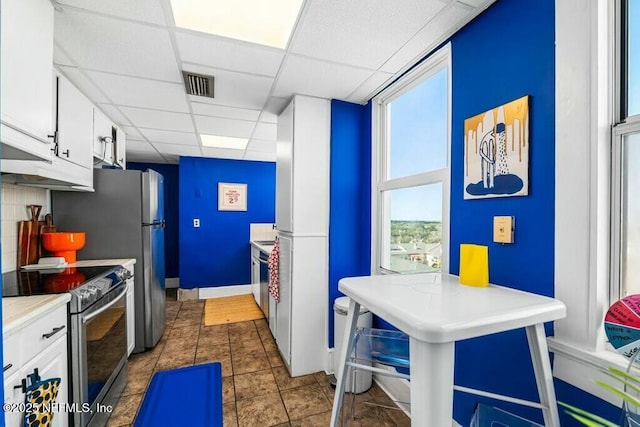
<point>85,284</point>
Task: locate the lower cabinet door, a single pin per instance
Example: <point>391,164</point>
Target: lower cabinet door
<point>51,363</point>
<point>14,397</point>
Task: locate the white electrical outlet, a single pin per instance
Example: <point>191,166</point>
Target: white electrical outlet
<point>196,223</point>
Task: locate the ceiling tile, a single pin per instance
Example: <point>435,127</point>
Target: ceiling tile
<point>138,146</point>
<point>223,111</point>
<point>178,150</point>
<point>85,85</point>
<point>107,44</point>
<point>224,127</point>
<point>60,57</point>
<point>170,137</point>
<point>222,153</point>
<point>370,87</point>
<point>364,33</point>
<point>132,132</point>
<point>478,4</point>
<point>114,114</point>
<point>261,145</point>
<point>138,92</point>
<point>317,78</point>
<point>234,89</point>
<point>154,119</point>
<point>273,108</point>
<point>134,156</point>
<point>259,156</point>
<point>437,31</point>
<point>138,10</point>
<point>228,54</point>
<point>266,131</point>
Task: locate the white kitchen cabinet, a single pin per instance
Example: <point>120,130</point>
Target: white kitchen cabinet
<point>302,215</point>
<point>255,273</point>
<point>75,124</point>
<point>302,168</point>
<point>104,136</point>
<point>120,151</point>
<point>26,86</point>
<point>131,317</point>
<point>36,341</point>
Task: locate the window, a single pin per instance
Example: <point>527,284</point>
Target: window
<point>411,188</point>
<point>625,271</point>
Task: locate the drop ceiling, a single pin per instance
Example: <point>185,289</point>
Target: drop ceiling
<point>128,56</point>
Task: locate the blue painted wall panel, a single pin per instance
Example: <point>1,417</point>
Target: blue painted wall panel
<point>171,208</point>
<point>218,253</point>
<point>350,196</point>
<point>505,53</point>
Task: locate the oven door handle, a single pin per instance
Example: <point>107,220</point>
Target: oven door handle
<point>101,310</point>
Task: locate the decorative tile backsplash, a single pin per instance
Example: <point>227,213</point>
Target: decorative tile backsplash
<point>15,199</point>
<point>262,231</point>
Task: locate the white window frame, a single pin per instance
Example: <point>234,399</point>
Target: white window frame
<point>585,111</point>
<point>380,134</point>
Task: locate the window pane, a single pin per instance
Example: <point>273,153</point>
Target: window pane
<point>417,123</point>
<point>633,49</point>
<point>413,229</point>
<point>630,226</point>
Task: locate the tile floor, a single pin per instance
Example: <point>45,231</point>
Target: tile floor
<point>257,389</point>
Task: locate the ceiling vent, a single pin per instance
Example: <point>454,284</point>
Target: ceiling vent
<point>198,84</point>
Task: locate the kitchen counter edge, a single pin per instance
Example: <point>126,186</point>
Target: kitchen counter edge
<point>17,311</point>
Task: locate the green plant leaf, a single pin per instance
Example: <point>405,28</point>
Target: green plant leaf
<point>587,418</point>
<point>625,396</point>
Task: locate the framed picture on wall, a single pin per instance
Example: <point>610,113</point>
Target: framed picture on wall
<point>232,197</point>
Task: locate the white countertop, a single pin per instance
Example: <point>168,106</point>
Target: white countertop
<point>435,307</point>
<point>17,311</point>
<point>261,246</point>
<point>125,262</point>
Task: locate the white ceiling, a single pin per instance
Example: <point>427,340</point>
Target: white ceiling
<point>127,57</point>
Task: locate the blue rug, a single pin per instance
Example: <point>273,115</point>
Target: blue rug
<point>190,396</point>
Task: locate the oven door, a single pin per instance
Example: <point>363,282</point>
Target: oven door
<point>99,351</point>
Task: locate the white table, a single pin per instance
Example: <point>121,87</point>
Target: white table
<point>436,311</point>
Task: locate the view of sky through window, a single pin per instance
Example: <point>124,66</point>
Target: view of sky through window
<point>418,123</point>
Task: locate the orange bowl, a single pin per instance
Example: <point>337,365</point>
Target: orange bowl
<point>64,244</point>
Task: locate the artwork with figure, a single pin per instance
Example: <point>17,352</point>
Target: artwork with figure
<point>496,152</point>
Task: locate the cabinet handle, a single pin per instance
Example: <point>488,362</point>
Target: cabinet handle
<point>22,385</point>
<point>7,367</point>
<point>66,152</point>
<point>53,332</point>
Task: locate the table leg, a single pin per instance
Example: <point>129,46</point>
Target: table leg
<point>432,367</point>
<point>347,343</point>
<point>544,376</point>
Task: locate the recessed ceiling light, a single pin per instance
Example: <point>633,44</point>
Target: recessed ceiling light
<point>258,21</point>
<point>224,142</point>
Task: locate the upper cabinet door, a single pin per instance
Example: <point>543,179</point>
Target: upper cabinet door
<point>27,65</point>
<point>120,154</point>
<point>103,137</point>
<point>75,124</point>
<point>284,171</point>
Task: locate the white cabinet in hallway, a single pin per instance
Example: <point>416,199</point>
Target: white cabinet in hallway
<point>75,124</point>
<point>302,212</point>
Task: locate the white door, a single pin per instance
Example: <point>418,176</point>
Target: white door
<point>103,144</point>
<point>284,171</point>
<point>75,124</point>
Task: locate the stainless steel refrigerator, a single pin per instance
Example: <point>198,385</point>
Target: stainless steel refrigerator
<point>124,218</point>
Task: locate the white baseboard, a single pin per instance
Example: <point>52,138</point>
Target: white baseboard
<point>224,291</point>
<point>172,282</point>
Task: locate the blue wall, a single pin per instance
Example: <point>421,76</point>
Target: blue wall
<point>218,253</point>
<point>171,234</point>
<point>504,54</point>
<point>350,197</point>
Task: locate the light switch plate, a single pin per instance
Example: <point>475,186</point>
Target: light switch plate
<point>503,228</point>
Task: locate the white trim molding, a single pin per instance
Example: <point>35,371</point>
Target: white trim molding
<point>584,49</point>
<point>224,291</point>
